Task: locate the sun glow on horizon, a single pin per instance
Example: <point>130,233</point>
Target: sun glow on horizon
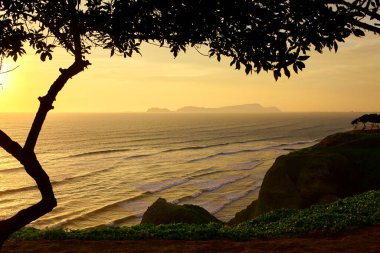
<point>346,81</point>
<point>4,77</point>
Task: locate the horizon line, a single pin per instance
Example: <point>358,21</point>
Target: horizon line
<point>176,112</point>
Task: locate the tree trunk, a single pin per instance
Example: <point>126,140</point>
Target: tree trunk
<point>47,203</point>
<point>27,157</point>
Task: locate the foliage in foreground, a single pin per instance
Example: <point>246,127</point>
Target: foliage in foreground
<point>345,214</point>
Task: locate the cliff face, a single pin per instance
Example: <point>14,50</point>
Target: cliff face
<point>341,165</point>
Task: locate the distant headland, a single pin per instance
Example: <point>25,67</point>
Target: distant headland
<point>247,108</point>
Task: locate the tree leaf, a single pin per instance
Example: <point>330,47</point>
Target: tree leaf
<point>303,57</point>
<point>287,72</point>
<point>335,46</point>
<point>295,68</point>
<point>358,33</point>
<point>300,65</point>
<point>43,56</point>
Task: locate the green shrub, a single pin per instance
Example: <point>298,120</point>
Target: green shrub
<point>345,214</point>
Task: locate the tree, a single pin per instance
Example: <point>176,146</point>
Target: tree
<point>269,35</point>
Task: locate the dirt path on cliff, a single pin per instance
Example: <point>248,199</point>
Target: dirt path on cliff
<point>365,240</point>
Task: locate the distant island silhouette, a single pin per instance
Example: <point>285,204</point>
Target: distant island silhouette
<point>246,108</point>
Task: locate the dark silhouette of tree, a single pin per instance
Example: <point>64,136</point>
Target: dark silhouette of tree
<point>269,35</point>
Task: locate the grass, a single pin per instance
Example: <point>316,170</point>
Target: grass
<point>345,214</point>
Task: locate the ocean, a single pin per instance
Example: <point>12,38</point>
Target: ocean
<point>106,169</point>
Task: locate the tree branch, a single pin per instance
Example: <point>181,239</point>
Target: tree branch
<point>75,31</point>
<point>366,11</point>
<point>10,70</point>
<point>34,169</point>
<point>366,26</point>
<point>11,147</point>
<point>22,218</point>
<point>46,102</point>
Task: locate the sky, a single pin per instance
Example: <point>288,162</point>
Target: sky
<point>332,82</point>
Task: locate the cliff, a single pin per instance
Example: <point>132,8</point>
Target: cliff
<point>341,165</point>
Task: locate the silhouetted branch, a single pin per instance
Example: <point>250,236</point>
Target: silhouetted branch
<point>46,102</point>
<point>11,146</point>
<point>74,26</point>
<point>34,169</point>
<point>366,26</point>
<point>10,70</point>
<point>24,217</point>
<point>199,52</point>
<point>356,7</point>
<point>157,45</point>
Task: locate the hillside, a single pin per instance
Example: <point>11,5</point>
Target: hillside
<point>341,165</point>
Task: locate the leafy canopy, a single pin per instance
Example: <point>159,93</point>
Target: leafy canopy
<point>270,35</point>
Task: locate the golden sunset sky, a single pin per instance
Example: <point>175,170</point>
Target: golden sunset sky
<point>346,81</point>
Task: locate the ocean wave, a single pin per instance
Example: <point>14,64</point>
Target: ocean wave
<point>155,187</point>
<point>287,145</point>
<point>235,197</point>
<point>57,225</point>
<point>283,146</point>
<point>59,182</point>
<point>206,146</point>
<point>212,170</point>
<point>123,220</point>
<point>308,128</point>
<point>58,220</point>
<point>205,186</point>
<point>150,190</point>
<point>224,153</point>
<point>109,207</point>
<point>208,186</point>
<point>211,185</point>
<point>194,147</point>
<point>18,190</point>
<point>213,138</point>
<point>217,206</point>
<point>213,209</point>
<point>248,165</point>
<point>11,170</point>
<point>92,153</point>
<point>146,139</point>
<point>73,221</point>
<point>207,172</point>
<point>139,156</point>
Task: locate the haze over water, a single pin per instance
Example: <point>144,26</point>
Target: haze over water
<point>108,168</point>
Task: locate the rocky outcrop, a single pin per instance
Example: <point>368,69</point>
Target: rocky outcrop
<point>341,165</point>
<point>162,212</point>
